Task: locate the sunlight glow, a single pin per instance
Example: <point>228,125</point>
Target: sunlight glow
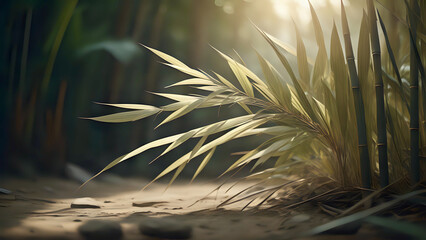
<point>299,9</point>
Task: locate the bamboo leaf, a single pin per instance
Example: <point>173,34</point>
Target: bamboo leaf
<point>218,141</point>
<point>183,138</point>
<point>321,60</point>
<point>242,78</point>
<point>177,97</point>
<point>286,47</point>
<point>204,163</point>
<point>302,61</point>
<point>274,82</point>
<point>338,66</point>
<point>192,81</point>
<point>199,132</point>
<point>319,36</point>
<point>188,71</point>
<point>393,61</point>
<point>224,81</point>
<point>300,93</point>
<point>126,116</point>
<point>188,108</point>
<point>178,171</point>
<point>129,106</point>
<point>167,57</point>
<point>259,151</point>
<point>242,68</point>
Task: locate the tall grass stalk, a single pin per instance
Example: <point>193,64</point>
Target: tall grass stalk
<point>359,104</point>
<point>68,12</point>
<point>381,118</point>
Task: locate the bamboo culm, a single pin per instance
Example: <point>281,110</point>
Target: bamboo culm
<point>414,97</point>
<point>381,118</point>
<point>359,105</point>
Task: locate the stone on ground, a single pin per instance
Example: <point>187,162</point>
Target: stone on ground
<point>100,229</point>
<point>85,202</point>
<point>165,228</point>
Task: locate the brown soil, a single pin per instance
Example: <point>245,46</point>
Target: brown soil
<point>40,209</point>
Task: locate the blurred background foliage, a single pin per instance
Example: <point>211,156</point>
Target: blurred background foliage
<point>57,57</point>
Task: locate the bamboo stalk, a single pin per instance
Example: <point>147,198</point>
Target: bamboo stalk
<point>414,96</point>
<point>359,104</point>
<point>381,119</point>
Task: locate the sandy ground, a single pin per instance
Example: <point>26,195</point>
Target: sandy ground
<point>40,209</point>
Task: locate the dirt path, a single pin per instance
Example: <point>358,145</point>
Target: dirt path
<point>40,209</point>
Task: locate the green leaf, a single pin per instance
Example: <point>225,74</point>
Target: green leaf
<point>122,50</point>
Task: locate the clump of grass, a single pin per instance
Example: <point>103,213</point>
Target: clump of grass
<point>314,116</point>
